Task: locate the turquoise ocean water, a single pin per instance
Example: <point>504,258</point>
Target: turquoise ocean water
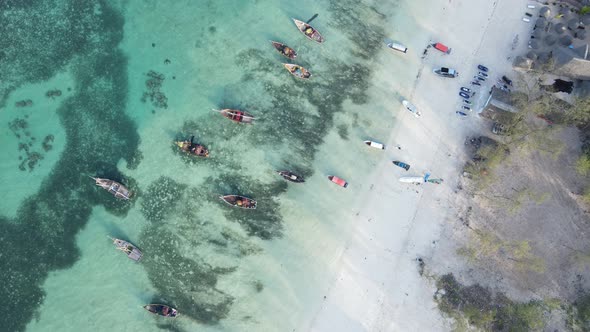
<point>102,88</point>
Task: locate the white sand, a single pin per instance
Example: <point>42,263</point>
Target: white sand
<point>378,287</point>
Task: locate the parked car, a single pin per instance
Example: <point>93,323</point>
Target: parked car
<point>498,128</point>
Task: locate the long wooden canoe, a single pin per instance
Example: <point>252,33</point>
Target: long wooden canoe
<point>284,50</point>
<point>297,71</point>
<point>237,115</point>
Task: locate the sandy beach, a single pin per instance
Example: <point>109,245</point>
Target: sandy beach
<point>378,287</point>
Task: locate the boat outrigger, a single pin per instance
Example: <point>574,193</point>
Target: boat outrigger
<point>338,181</point>
<point>115,188</point>
<point>161,310</point>
<point>290,176</point>
<point>239,201</point>
<point>297,71</point>
<point>193,148</point>
<point>309,31</point>
<point>375,145</point>
<point>236,115</point>
<point>284,50</point>
<point>132,252</point>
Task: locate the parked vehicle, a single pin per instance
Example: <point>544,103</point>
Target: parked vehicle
<point>482,68</point>
<point>507,80</point>
<point>461,114</point>
<point>498,128</point>
<point>482,74</point>
<point>467,90</point>
<point>479,78</point>
<point>464,95</point>
<point>467,108</point>
<point>475,83</point>
<point>465,101</point>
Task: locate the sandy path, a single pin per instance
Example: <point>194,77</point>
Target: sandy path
<point>378,287</point>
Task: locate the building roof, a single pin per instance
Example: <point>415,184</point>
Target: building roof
<point>572,63</point>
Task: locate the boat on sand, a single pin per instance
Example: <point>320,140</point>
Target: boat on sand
<point>375,145</point>
<point>239,201</point>
<point>309,31</point>
<point>290,176</point>
<point>132,252</point>
<point>161,310</point>
<point>236,115</point>
<point>297,71</point>
<point>284,50</point>
<point>115,188</point>
<point>410,107</point>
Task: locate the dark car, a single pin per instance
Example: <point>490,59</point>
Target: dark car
<point>464,95</point>
<point>498,128</point>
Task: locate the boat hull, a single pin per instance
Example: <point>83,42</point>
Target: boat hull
<point>237,116</point>
<point>375,145</point>
<point>338,181</point>
<point>239,201</point>
<point>115,188</point>
<point>401,164</point>
<point>128,248</point>
<point>193,149</point>
<point>410,107</point>
<point>161,310</point>
<point>297,71</point>
<point>309,31</point>
<point>292,177</point>
<point>284,50</point>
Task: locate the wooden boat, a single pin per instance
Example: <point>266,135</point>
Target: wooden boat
<point>297,71</point>
<point>290,176</point>
<point>192,148</point>
<point>239,201</point>
<point>284,50</point>
<point>338,181</point>
<point>132,252</point>
<point>118,190</point>
<point>236,115</point>
<point>375,145</point>
<point>309,31</point>
<point>161,310</point>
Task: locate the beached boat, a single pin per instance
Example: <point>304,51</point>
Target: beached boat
<point>401,164</point>
<point>446,72</point>
<point>192,148</point>
<point>239,201</point>
<point>290,176</point>
<point>161,310</point>
<point>284,50</point>
<point>118,190</point>
<point>410,107</point>
<point>441,48</point>
<point>132,252</point>
<point>412,179</point>
<point>308,31</point>
<point>297,71</point>
<point>397,47</point>
<point>375,145</point>
<point>236,115</point>
<point>338,181</point>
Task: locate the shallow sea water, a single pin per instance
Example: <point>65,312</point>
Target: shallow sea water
<point>224,269</point>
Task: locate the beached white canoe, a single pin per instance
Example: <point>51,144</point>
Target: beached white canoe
<point>412,179</point>
<point>410,107</point>
<point>375,145</point>
<point>397,47</point>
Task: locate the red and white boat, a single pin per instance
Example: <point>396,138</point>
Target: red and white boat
<point>338,181</point>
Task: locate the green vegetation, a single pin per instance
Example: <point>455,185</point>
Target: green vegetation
<point>585,10</point>
<point>583,165</point>
<point>488,245</point>
<point>481,309</point>
<point>579,314</point>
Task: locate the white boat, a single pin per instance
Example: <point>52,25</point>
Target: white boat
<point>412,179</point>
<point>375,145</point>
<point>397,47</point>
<point>410,107</point>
